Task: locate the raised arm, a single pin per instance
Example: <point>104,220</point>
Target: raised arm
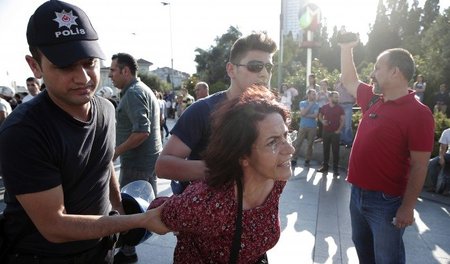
<point>349,75</point>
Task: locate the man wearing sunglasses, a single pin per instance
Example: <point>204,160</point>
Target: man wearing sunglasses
<point>250,63</point>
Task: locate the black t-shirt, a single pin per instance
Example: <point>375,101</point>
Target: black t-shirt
<point>42,147</point>
<point>193,127</point>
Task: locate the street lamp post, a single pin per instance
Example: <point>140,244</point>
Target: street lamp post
<point>171,42</point>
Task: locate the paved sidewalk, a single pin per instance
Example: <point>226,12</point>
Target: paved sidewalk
<point>315,224</point>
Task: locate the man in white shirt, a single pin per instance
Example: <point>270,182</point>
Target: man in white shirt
<point>34,88</point>
<point>439,162</point>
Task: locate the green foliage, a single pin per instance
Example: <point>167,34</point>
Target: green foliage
<point>154,82</point>
<point>217,87</point>
<point>211,62</point>
<point>295,120</point>
<point>190,83</point>
<point>356,117</point>
<point>436,51</point>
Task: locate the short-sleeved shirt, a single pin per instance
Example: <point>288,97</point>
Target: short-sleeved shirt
<point>308,121</point>
<point>445,138</point>
<point>193,127</point>
<point>205,219</point>
<point>43,147</point>
<point>333,116</point>
<point>388,131</point>
<point>139,111</point>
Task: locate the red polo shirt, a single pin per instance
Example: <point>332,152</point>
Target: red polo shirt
<point>388,131</point>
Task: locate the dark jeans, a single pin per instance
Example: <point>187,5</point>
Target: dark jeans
<point>376,239</point>
<point>331,139</point>
<point>433,170</point>
<point>164,126</point>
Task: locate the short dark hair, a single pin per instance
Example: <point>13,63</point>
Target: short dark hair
<point>126,60</point>
<point>402,59</point>
<point>331,93</point>
<point>234,131</point>
<point>255,41</point>
<point>32,79</point>
<point>310,90</point>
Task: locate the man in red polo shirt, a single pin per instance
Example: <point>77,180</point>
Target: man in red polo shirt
<point>331,116</point>
<point>389,157</point>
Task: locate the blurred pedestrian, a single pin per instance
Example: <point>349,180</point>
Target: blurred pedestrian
<point>287,95</point>
<point>346,101</point>
<point>33,87</point>
<point>309,110</point>
<point>313,83</point>
<point>420,86</point>
<point>187,99</point>
<point>322,99</point>
<point>439,163</point>
<point>6,93</point>
<point>201,90</point>
<point>441,99</point>
<point>331,116</point>
<point>163,115</point>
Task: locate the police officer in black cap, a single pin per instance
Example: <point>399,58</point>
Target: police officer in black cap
<point>57,204</point>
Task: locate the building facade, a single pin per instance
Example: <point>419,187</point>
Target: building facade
<point>290,10</point>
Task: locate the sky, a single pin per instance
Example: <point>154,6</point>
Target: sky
<point>155,32</point>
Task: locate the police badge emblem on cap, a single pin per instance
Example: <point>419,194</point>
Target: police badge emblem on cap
<point>63,33</point>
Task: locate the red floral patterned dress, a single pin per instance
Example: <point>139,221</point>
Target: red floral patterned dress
<point>205,219</point>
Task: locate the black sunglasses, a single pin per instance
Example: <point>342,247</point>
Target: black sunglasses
<point>257,66</point>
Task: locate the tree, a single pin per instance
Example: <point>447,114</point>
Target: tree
<point>436,46</point>
<point>412,29</point>
<point>382,35</point>
<point>430,13</point>
<point>154,82</point>
<point>211,63</point>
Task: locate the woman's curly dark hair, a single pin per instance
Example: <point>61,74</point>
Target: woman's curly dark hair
<point>234,131</point>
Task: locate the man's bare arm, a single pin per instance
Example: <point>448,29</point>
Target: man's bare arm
<point>419,166</point>
<point>173,164</point>
<point>114,191</point>
<point>349,76</point>
<point>46,210</point>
